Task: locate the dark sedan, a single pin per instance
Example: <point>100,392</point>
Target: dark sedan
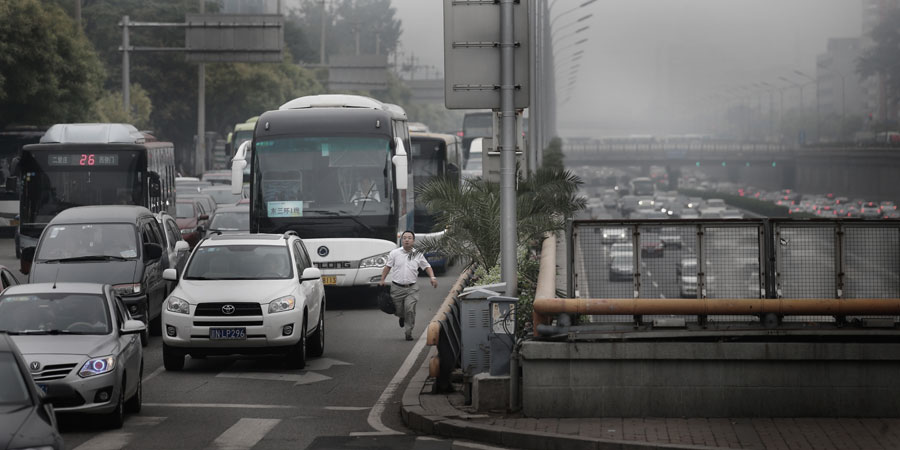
<point>26,418</point>
<point>192,219</point>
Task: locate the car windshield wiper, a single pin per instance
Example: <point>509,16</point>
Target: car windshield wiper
<point>323,211</point>
<point>53,331</point>
<point>87,258</point>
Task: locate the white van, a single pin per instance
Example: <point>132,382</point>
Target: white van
<point>473,166</point>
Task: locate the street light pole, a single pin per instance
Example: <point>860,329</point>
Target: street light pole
<point>816,80</point>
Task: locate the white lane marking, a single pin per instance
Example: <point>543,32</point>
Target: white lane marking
<point>144,421</point>
<point>244,434</point>
<point>218,405</point>
<point>375,414</point>
<point>462,444</point>
<point>346,408</point>
<point>306,378</point>
<point>153,374</point>
<point>111,440</point>
<point>324,364</point>
<point>662,296</point>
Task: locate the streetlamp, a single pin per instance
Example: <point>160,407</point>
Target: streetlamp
<point>816,80</point>
<point>588,2</point>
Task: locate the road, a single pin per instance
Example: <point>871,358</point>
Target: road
<point>349,398</point>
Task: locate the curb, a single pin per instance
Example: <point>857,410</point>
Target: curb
<point>440,418</point>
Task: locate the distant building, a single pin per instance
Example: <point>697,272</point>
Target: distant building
<point>874,90</point>
<point>839,87</point>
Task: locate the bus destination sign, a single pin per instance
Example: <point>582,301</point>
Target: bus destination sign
<point>82,159</point>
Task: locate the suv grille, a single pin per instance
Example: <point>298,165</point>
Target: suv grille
<point>240,309</point>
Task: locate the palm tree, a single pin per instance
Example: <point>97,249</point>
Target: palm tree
<point>469,212</point>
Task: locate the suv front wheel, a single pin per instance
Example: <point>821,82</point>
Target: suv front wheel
<point>296,356</point>
<point>173,360</point>
<point>316,345</point>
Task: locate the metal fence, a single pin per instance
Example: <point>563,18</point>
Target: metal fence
<point>734,259</point>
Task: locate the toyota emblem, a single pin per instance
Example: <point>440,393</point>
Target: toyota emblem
<point>322,251</point>
<point>35,366</point>
<point>228,310</point>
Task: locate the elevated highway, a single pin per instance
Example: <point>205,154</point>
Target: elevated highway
<point>868,172</point>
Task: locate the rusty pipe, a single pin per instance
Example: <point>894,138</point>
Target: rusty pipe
<point>718,306</point>
<point>434,327</point>
<point>546,285</point>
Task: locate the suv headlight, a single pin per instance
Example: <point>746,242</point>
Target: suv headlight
<point>126,289</point>
<point>374,261</point>
<point>282,304</point>
<point>97,366</point>
<point>177,305</point>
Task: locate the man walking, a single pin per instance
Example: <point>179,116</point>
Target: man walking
<point>404,264</point>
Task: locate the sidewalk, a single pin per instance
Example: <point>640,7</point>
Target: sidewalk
<point>445,415</point>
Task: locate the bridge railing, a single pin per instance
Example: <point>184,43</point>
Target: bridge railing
<point>733,273</point>
<point>598,147</point>
<point>445,333</point>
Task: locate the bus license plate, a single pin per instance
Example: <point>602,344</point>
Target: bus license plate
<point>227,333</point>
<point>329,279</point>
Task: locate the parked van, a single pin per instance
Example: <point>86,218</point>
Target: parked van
<point>120,245</point>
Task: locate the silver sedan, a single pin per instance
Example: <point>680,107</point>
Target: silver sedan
<point>82,347</point>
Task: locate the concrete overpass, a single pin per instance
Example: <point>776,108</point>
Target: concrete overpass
<point>870,173</point>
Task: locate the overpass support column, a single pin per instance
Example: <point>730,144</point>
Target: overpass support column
<point>789,175</point>
<point>673,173</point>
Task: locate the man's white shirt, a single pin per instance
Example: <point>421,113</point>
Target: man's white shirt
<point>405,269</point>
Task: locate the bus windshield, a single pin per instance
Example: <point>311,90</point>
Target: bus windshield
<point>642,187</point>
<point>324,176</point>
<point>54,182</point>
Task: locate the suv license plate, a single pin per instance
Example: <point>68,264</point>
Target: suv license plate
<point>228,333</point>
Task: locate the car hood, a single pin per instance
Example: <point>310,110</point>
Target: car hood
<point>44,345</point>
<point>201,291</point>
<point>107,272</point>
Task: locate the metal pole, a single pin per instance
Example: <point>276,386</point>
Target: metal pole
<point>322,37</point>
<point>78,14</point>
<point>126,82</point>
<point>531,150</point>
<point>200,159</point>
<point>508,230</point>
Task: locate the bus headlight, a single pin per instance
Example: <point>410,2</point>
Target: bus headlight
<point>374,261</point>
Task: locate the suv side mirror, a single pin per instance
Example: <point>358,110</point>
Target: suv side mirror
<point>310,273</point>
<point>152,251</point>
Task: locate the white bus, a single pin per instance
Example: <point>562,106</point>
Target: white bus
<point>333,168</point>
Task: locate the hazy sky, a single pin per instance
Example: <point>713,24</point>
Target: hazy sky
<point>647,61</point>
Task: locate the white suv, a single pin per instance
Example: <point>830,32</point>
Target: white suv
<point>245,294</point>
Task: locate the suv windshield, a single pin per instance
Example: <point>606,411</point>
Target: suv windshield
<point>239,262</point>
<point>80,241</point>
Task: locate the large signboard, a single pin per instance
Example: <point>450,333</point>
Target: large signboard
<point>234,37</point>
<point>472,54</point>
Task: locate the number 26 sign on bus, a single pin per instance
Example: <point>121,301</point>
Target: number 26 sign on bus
<point>83,159</point>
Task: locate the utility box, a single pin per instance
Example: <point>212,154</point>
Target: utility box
<point>475,324</point>
<point>502,336</point>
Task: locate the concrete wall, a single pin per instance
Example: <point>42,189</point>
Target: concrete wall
<point>710,379</point>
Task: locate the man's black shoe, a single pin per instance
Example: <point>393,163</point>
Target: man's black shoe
<point>408,337</point>
<point>401,322</point>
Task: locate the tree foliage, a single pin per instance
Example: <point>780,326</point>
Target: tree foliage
<point>110,108</point>
<point>469,211</point>
<point>373,20</point>
<point>884,57</point>
<point>48,70</point>
<point>553,154</point>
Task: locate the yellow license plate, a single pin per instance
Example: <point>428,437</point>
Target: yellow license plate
<point>329,279</point>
